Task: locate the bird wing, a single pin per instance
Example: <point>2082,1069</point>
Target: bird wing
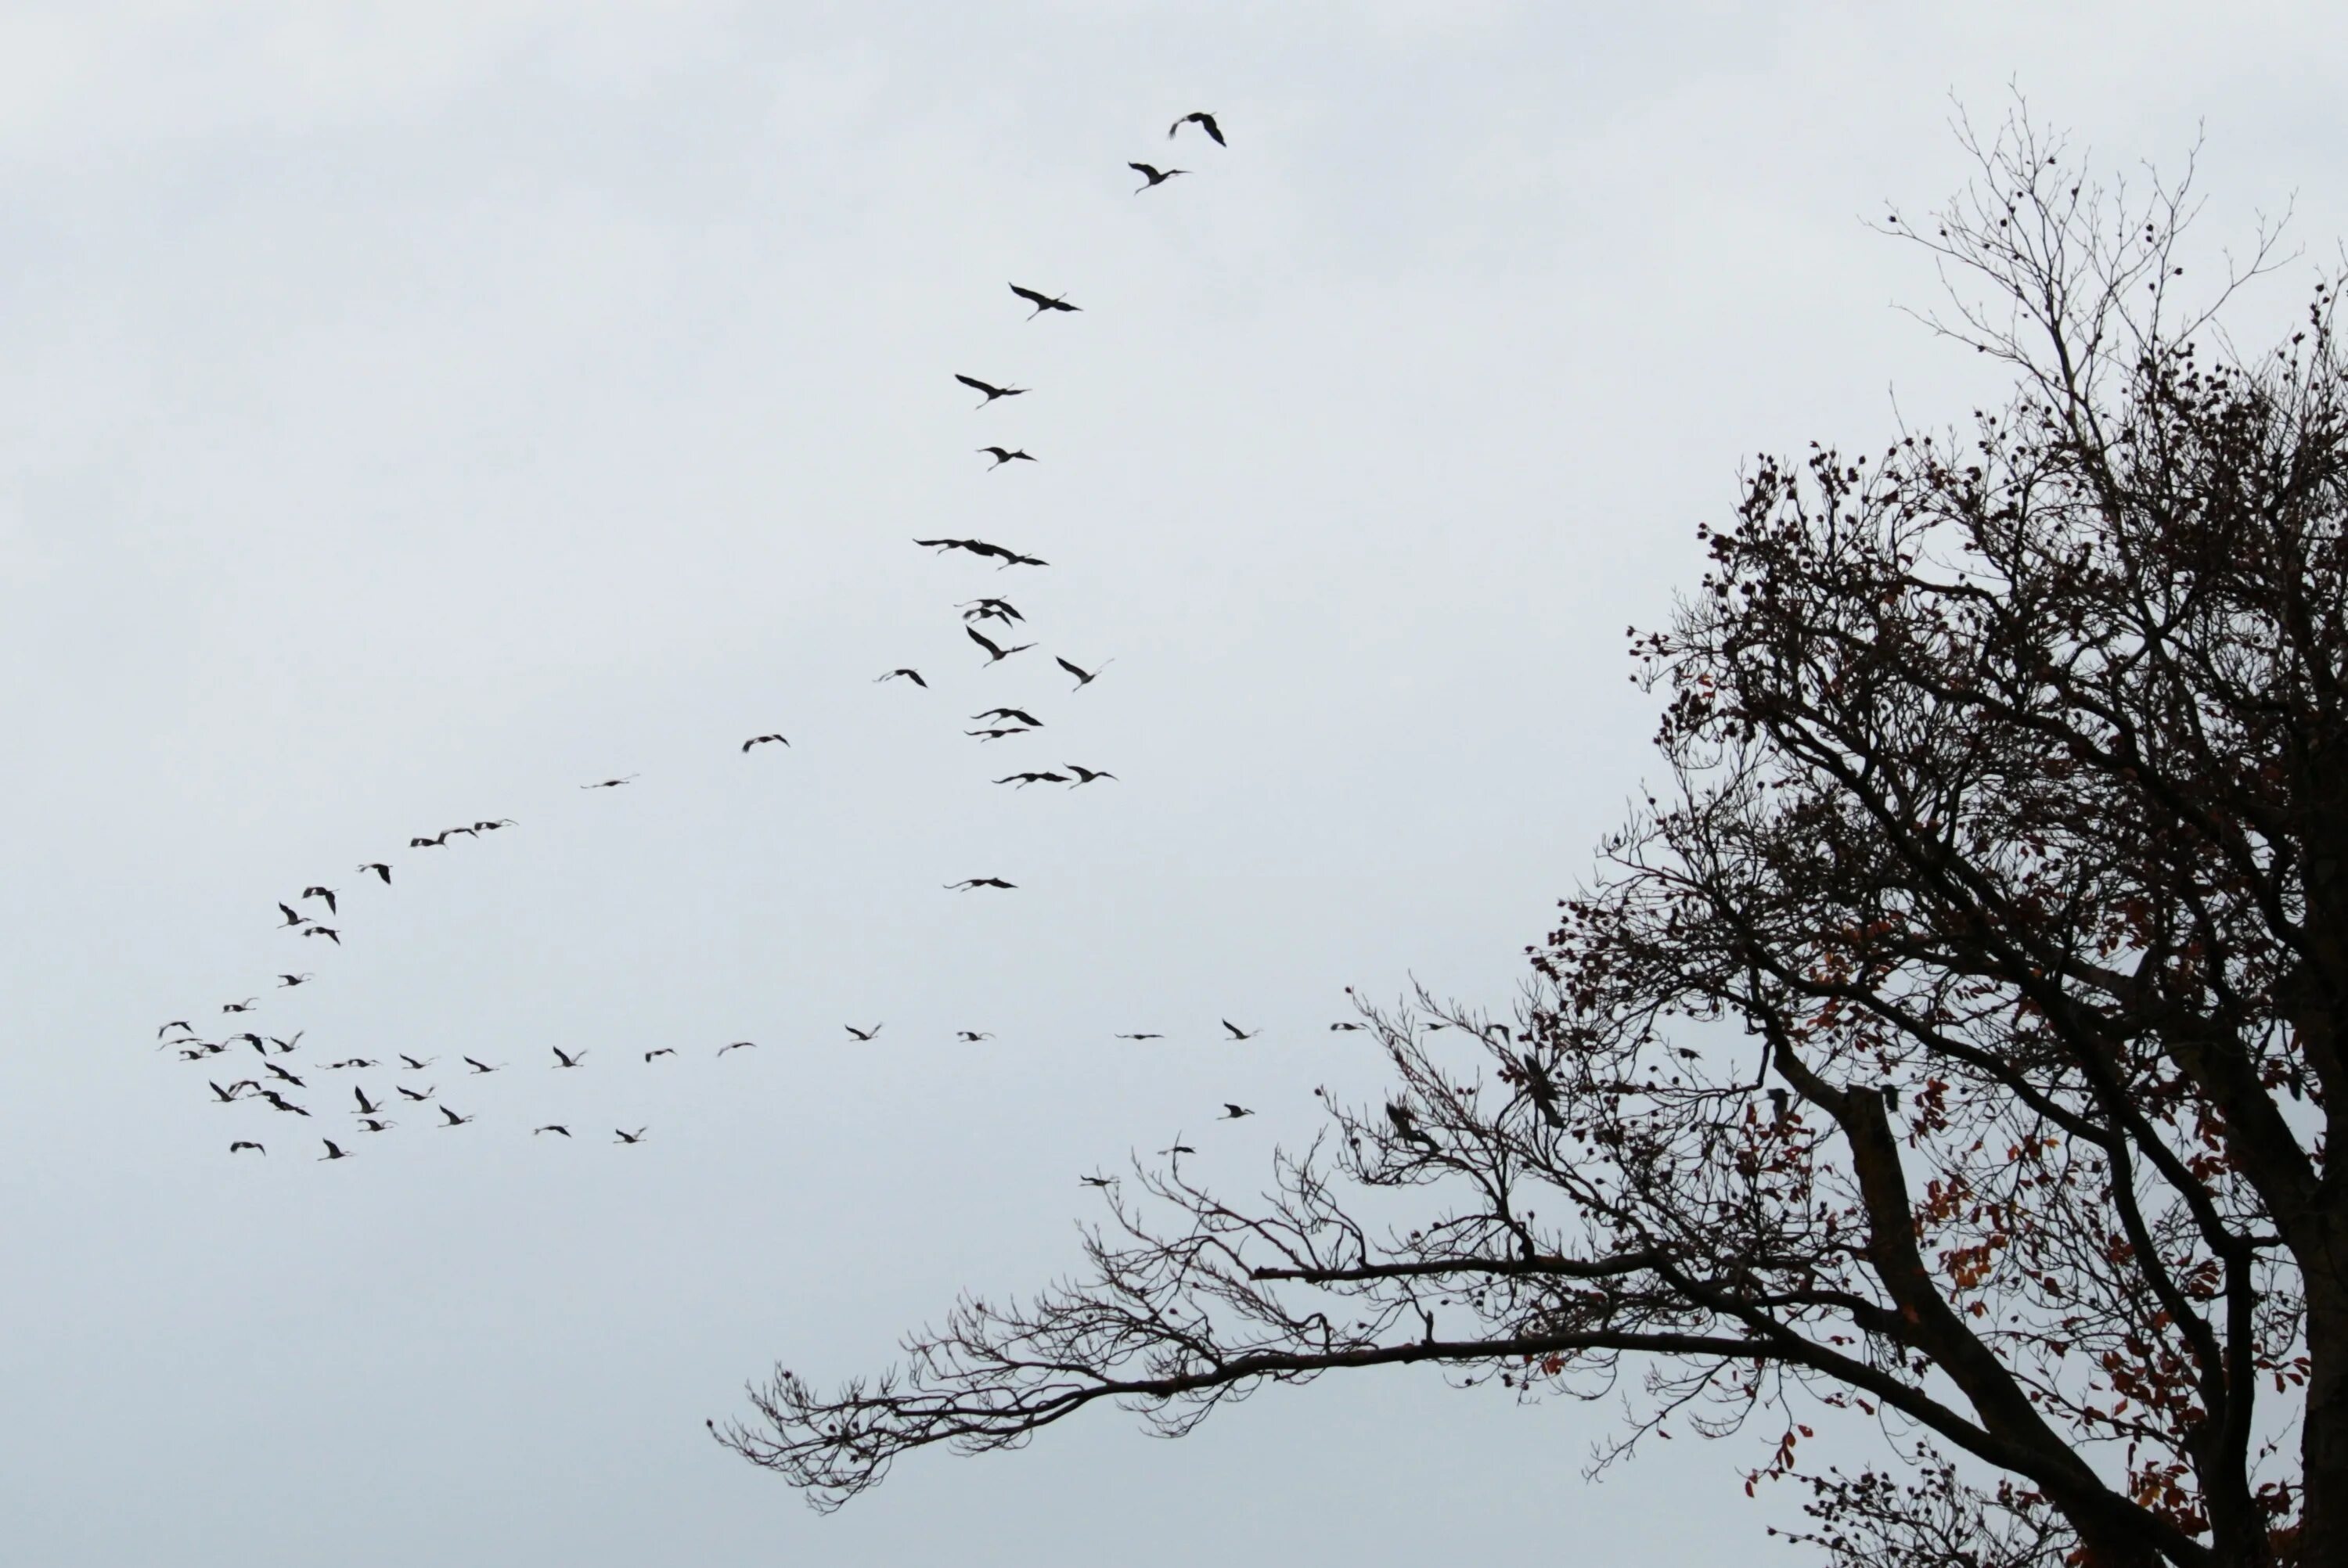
<point>983,640</point>
<point>1030,295</point>
<point>975,383</point>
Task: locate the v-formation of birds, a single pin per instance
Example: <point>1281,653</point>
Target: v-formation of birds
<point>267,1080</point>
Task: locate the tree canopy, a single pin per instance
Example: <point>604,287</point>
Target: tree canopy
<point>1951,1044</point>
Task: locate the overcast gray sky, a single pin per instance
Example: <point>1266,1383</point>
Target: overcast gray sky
<point>409,412</point>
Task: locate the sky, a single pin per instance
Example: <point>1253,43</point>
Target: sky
<point>411,412</point>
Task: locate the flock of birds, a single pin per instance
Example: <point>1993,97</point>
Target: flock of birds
<point>270,1077</point>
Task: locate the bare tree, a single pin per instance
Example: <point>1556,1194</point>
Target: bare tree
<point>1952,1045</point>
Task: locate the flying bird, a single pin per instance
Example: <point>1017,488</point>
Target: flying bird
<point>996,653</point>
<point>282,1076</point>
<point>325,893</point>
<point>1019,714</point>
<point>354,1061</point>
<point>1239,1033</point>
<point>1152,176</point>
<point>1179,1147</point>
<point>912,675</point>
<point>454,1120</point>
<point>551,1127</point>
<point>332,1153</point>
<point>247,1005</point>
<point>1024,780</point>
<point>1204,121</point>
<point>480,1066</point>
<point>436,842</point>
<point>1084,677</point>
<point>366,1107</point>
<point>281,1103</point>
<point>1234,1113</point>
<point>1003,455</point>
<point>375,1124</point>
<point>285,1046</point>
<point>246,1144</point>
<point>1347,1026</point>
<point>292,916</point>
<point>761,740</point>
<point>972,1036</point>
<point>414,1094</point>
<point>611,783</point>
<point>635,1137</point>
<point>326,931</point>
<point>1086,775</point>
<point>970,883</point>
<point>663,1051</point>
<point>225,1096</point>
<point>177,1023</point>
<point>285,982</point>
<point>416,1066</point>
<point>1000,610</point>
<point>460,827</point>
<point>563,1059</point>
<point>1143,1036</point>
<point>737,1045</point>
<point>493,827</point>
<point>1097,1181</point>
<point>986,735</point>
<point>991,392</point>
<point>864,1034</point>
<point>1043,303</point>
<point>379,868</point>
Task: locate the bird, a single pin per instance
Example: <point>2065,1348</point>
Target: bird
<point>663,1051</point>
<point>480,1066</point>
<point>326,931</point>
<point>436,842</point>
<point>1142,1036</point>
<point>1239,1033</point>
<point>1346,1026</point>
<point>327,893</point>
<point>292,916</point>
<point>493,827</point>
<point>1003,455</point>
<point>416,1066</point>
<point>991,390</point>
<point>1024,780</point>
<point>990,610</point>
<point>1778,1098</point>
<point>1086,775</point>
<point>246,1144</point>
<point>285,982</point>
<point>760,740</point>
<point>375,1124</point>
<point>986,735</point>
<point>972,1036</point>
<point>366,1107</point>
<point>1020,715</point>
<point>177,1023</point>
<point>285,1046</point>
<point>1084,677</point>
<point>551,1127</point>
<point>334,1152</point>
<point>1234,1113</point>
<point>1097,1181</point>
<point>564,1059</point>
<point>225,1096</point>
<point>1043,303</point>
<point>1405,1125</point>
<point>414,1094</point>
<point>379,868</point>
<point>281,1103</point>
<point>995,652</point>
<point>862,1034</point>
<point>969,883</point>
<point>247,1005</point>
<point>737,1045</point>
<point>354,1061</point>
<point>912,675</point>
<point>454,1120</point>
<point>460,827</point>
<point>981,547</point>
<point>1179,1148</point>
<point>635,1137</point>
<point>1153,177</point>
<point>611,783</point>
<point>283,1075</point>
<point>1204,121</point>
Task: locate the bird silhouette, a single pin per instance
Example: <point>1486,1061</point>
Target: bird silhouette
<point>1142,1036</point>
<point>991,390</point>
<point>1020,715</point>
<point>551,1127</point>
<point>972,1036</point>
<point>1000,610</point>
<point>862,1033</point>
<point>246,1144</point>
<point>635,1137</point>
<point>1239,1033</point>
<point>177,1023</point>
<point>280,1102</point>
<point>1086,775</point>
<point>375,1124</point>
<point>354,1061</point>
<point>334,1152</point>
<point>1152,176</point>
<point>912,675</point>
<point>416,1066</point>
<point>1179,1148</point>
<point>1347,1026</point>
<point>247,1005</point>
<point>493,827</point>
<point>473,832</point>
<point>1003,455</point>
<point>1204,121</point>
<point>738,1045</point>
<point>225,1096</point>
<point>366,1107</point>
<point>1234,1113</point>
<point>969,883</point>
<point>996,653</point>
<point>663,1051</point>
<point>981,547</point>
<point>286,982</point>
<point>1022,780</point>
<point>986,735</point>
<point>1084,677</point>
<point>612,783</point>
<point>326,931</point>
<point>282,1076</point>
<point>563,1059</point>
<point>453,1118</point>
<point>379,868</point>
<point>285,1046</point>
<point>292,916</point>
<point>326,893</point>
<point>1043,303</point>
<point>479,1066</point>
<point>414,1094</point>
<point>761,740</point>
<point>437,841</point>
<point>1097,1181</point>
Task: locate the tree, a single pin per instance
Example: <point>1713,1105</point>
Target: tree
<point>1952,1043</point>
